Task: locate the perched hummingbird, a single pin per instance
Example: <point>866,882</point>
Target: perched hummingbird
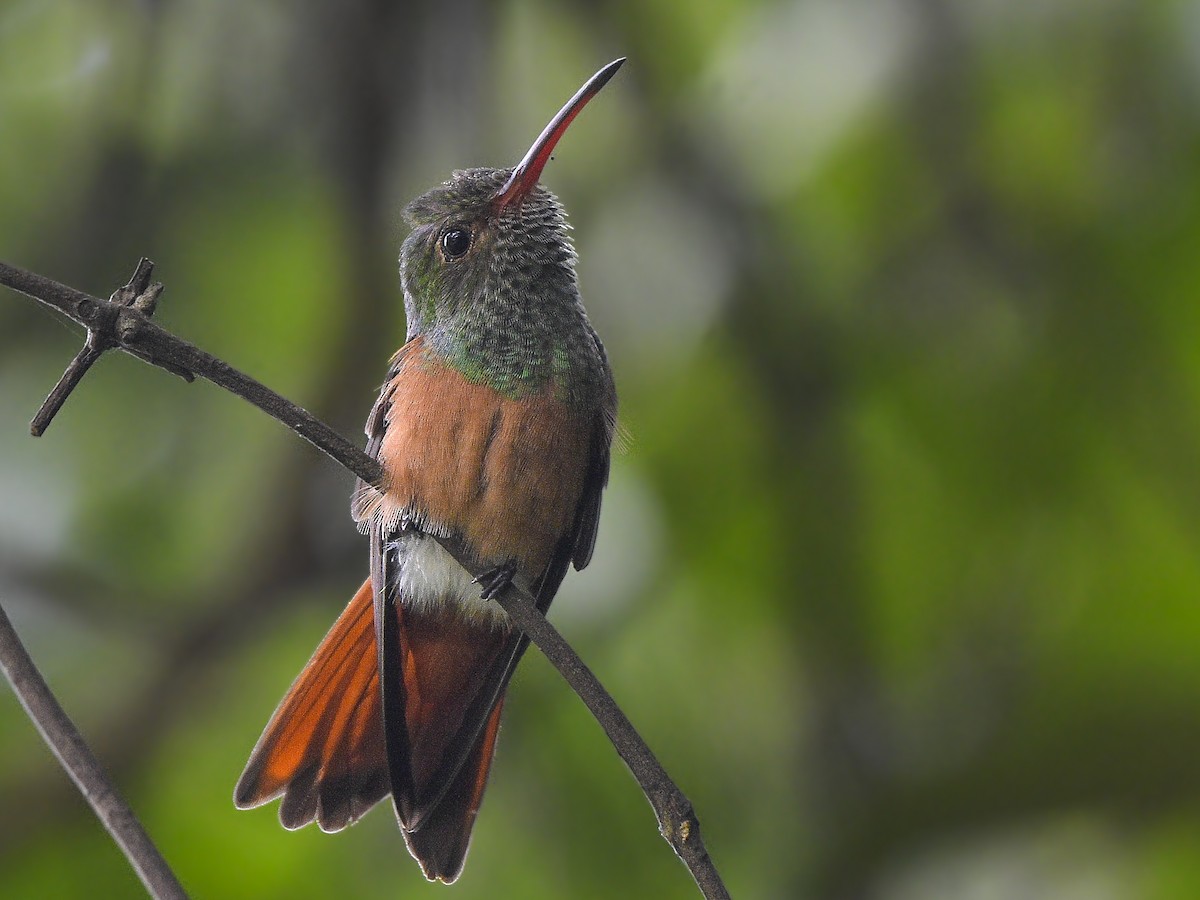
<point>494,426</point>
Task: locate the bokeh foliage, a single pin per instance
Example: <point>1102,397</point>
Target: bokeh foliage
<point>899,573</point>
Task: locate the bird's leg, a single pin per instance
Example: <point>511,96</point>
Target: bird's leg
<point>496,579</point>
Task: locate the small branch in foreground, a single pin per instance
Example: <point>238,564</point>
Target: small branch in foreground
<point>78,367</point>
<point>136,334</point>
<point>60,733</point>
<point>104,331</point>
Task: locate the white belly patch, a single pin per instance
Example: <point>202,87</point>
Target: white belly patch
<point>428,578</point>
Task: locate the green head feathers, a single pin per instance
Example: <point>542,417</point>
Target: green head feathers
<point>489,276</point>
<point>494,291</point>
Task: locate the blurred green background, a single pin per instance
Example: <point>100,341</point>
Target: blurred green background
<point>899,574</point>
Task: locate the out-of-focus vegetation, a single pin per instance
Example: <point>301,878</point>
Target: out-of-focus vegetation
<point>900,573</point>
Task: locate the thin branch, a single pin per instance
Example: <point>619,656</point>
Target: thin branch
<point>60,733</point>
<point>677,820</point>
<point>134,333</point>
<point>77,368</point>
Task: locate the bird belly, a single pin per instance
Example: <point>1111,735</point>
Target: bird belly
<point>427,580</point>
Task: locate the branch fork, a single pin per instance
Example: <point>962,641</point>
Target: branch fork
<point>116,322</point>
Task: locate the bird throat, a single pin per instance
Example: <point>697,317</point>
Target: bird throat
<point>515,355</point>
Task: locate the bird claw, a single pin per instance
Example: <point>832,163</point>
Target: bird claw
<point>496,579</point>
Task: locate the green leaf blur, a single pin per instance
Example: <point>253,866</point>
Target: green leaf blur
<point>899,574</point>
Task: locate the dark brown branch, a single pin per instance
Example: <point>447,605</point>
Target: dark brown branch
<point>677,820</point>
<point>104,324</point>
<point>77,368</point>
<point>136,334</point>
<point>76,757</point>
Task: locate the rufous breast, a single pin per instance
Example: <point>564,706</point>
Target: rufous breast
<point>505,472</point>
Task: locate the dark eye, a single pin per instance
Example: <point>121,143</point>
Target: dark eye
<point>456,242</point>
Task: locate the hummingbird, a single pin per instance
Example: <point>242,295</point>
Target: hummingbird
<point>494,427</point>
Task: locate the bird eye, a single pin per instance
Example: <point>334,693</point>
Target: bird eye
<point>455,242</point>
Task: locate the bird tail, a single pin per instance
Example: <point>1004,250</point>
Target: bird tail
<point>440,844</point>
<point>338,743</point>
<point>444,678</point>
<point>323,749</point>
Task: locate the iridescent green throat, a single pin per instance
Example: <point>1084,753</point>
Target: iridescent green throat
<point>505,311</point>
<point>517,360</point>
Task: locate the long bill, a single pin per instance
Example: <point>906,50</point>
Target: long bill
<point>527,172</point>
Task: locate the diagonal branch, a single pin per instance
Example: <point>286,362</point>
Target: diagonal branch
<point>76,757</point>
<point>132,331</point>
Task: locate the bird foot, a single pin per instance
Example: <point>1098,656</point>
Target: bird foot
<point>496,579</point>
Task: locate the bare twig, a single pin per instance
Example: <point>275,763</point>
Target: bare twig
<point>134,333</point>
<point>76,757</point>
<point>77,368</point>
<point>104,324</point>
